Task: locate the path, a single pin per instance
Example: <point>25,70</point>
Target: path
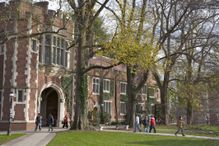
<point>39,138</point>
<point>165,134</point>
<point>43,137</point>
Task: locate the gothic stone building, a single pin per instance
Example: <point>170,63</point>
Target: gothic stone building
<point>34,57</point>
<point>34,54</point>
<point>107,88</point>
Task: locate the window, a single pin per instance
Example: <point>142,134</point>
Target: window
<point>66,58</point>
<point>58,56</point>
<point>54,41</point>
<point>40,54</point>
<point>106,86</point>
<point>96,85</point>
<point>67,52</point>
<point>48,40</point>
<point>58,42</point>
<point>139,107</point>
<point>62,43</point>
<point>20,96</point>
<point>144,90</point>
<point>34,45</point>
<point>123,88</point>
<point>122,108</point>
<point>62,57</point>
<point>60,53</point>
<point>47,54</point>
<point>217,115</point>
<point>54,55</point>
<point>107,105</point>
<point>151,92</point>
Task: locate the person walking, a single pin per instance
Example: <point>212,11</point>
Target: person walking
<point>152,124</point>
<point>145,123</point>
<point>38,122</point>
<point>180,124</point>
<point>50,121</point>
<point>65,122</point>
<point>137,124</point>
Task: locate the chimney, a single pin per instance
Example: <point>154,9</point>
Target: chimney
<point>43,5</point>
<point>2,4</point>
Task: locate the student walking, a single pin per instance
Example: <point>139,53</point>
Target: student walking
<point>145,123</point>
<point>38,122</point>
<point>152,124</point>
<point>50,121</point>
<point>137,124</point>
<point>180,124</point>
<point>65,122</point>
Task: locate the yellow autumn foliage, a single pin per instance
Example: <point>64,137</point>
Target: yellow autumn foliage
<point>125,48</point>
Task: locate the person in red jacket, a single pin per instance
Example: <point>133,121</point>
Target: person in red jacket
<point>152,124</point>
<point>65,122</point>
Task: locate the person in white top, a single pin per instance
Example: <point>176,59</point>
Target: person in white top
<point>137,124</point>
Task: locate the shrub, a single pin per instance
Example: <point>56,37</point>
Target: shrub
<point>106,117</point>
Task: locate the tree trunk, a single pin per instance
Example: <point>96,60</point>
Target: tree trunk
<point>116,98</point>
<point>101,97</point>
<point>163,96</point>
<point>84,19</point>
<point>131,98</point>
<point>80,116</point>
<point>163,105</point>
<point>189,80</point>
<point>189,112</point>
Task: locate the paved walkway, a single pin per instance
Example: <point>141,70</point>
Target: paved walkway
<point>39,138</point>
<point>165,134</point>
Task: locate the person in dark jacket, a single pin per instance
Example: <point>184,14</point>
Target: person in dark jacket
<point>50,122</point>
<point>38,122</point>
<point>145,123</point>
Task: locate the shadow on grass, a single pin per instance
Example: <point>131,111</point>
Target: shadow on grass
<point>177,142</point>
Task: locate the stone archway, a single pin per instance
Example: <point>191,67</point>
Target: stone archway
<point>51,101</point>
<point>49,104</point>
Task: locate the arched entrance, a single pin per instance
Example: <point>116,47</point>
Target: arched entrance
<point>49,104</point>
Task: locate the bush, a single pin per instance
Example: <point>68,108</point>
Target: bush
<point>106,118</point>
<point>119,123</point>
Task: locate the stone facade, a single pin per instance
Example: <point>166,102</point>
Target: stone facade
<point>112,95</point>
<point>34,55</point>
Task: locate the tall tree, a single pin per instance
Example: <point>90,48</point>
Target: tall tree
<point>85,16</point>
<point>199,46</point>
<point>175,25</point>
<point>131,47</point>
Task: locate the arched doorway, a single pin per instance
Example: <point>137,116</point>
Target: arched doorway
<point>49,104</point>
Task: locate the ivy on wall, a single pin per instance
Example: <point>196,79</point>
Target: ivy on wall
<point>66,84</point>
<point>123,98</point>
<point>84,92</point>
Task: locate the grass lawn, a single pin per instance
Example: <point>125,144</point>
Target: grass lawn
<point>6,138</point>
<point>92,138</point>
<point>202,130</point>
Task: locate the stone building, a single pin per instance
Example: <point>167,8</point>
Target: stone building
<point>34,54</point>
<point>35,57</point>
<point>107,88</point>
